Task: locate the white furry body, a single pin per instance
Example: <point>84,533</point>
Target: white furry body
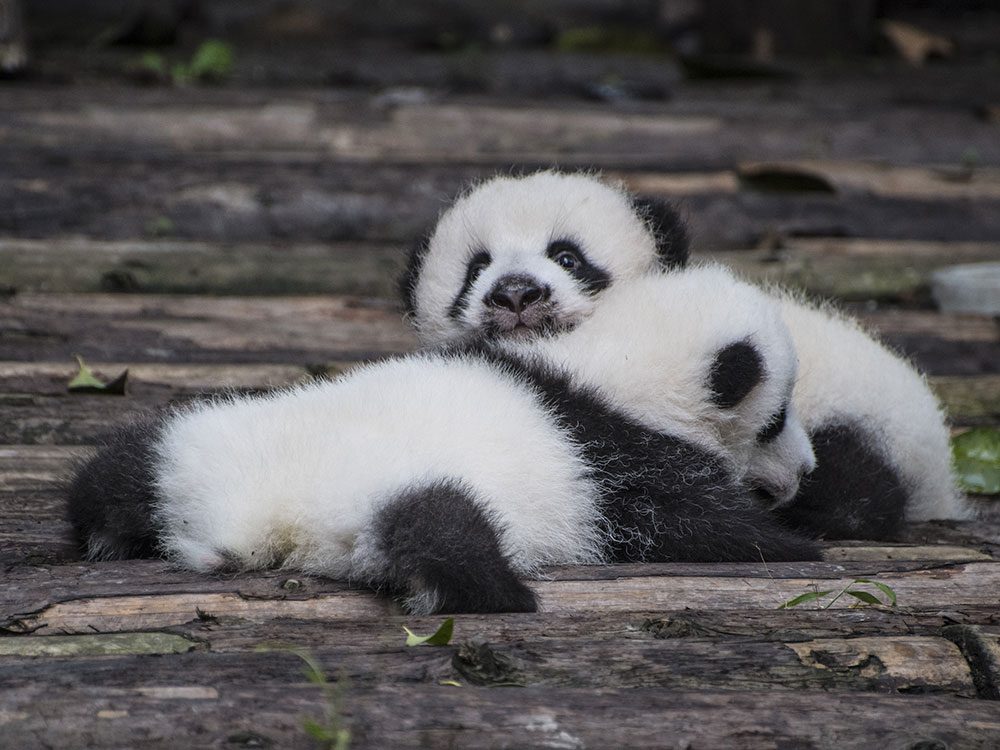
<point>648,347</point>
<point>295,478</point>
<point>846,376</point>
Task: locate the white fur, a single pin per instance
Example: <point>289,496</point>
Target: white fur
<point>515,219</point>
<point>294,478</point>
<point>649,346</point>
<point>846,375</point>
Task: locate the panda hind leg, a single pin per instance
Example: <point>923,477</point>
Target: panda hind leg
<point>440,549</point>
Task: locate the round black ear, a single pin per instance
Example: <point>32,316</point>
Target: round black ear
<point>672,243</point>
<point>736,369</point>
<point>406,285</point>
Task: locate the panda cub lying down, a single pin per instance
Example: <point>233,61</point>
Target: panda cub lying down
<point>539,254</point>
<point>446,477</point>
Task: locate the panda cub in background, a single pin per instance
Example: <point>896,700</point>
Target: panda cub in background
<point>538,255</point>
<point>449,476</point>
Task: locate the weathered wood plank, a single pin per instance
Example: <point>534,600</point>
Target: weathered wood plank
<point>906,663</point>
<point>198,329</point>
<point>835,267</point>
<point>441,716</point>
<point>856,269</point>
<point>491,133</point>
<point>955,586</point>
<point>260,199</point>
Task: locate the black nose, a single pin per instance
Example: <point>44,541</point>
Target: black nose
<point>516,293</point>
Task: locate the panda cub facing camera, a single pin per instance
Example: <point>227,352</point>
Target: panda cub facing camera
<point>521,254</point>
<point>444,477</point>
<point>562,242</point>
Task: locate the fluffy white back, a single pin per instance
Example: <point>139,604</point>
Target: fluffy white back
<point>515,219</point>
<point>295,477</point>
<point>845,375</point>
<point>649,347</point>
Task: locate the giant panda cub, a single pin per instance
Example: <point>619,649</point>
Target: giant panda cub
<point>445,477</point>
<point>618,353</point>
<point>517,254</point>
<point>539,254</point>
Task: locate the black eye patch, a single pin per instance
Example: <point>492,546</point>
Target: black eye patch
<point>477,264</point>
<point>736,369</point>
<point>773,428</point>
<point>571,258</point>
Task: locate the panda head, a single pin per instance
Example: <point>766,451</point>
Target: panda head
<point>701,355</point>
<point>522,255</point>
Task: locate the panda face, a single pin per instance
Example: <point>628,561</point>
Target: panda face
<point>780,455</point>
<point>526,255</point>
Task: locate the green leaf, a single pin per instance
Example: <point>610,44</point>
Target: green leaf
<point>316,730</point>
<point>884,588</point>
<point>803,598</point>
<point>976,456</point>
<point>212,61</point>
<point>154,63</point>
<point>440,637</point>
<point>864,596</point>
<point>85,381</point>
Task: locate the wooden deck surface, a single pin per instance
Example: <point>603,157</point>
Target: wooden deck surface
<point>209,239</point>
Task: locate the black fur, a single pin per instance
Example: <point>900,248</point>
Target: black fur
<point>110,499</point>
<point>664,499</point>
<point>672,242</point>
<point>473,268</point>
<point>407,283</point>
<point>852,494</point>
<point>736,369</point>
<point>774,428</point>
<point>439,540</point>
<point>594,278</point>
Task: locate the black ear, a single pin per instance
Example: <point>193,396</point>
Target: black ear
<point>736,369</point>
<point>672,244</point>
<point>406,286</point>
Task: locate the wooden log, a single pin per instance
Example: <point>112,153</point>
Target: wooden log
<point>198,329</point>
<point>835,267</point>
<point>955,586</point>
<point>781,139</point>
<point>171,266</point>
<point>440,716</point>
<point>870,664</point>
<point>855,269</point>
<point>875,179</point>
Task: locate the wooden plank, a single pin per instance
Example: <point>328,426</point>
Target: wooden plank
<point>199,329</point>
<point>441,716</point>
<point>833,267</point>
<point>77,264</point>
<point>267,199</point>
<point>954,586</point>
<point>491,133</point>
<point>869,664</point>
<point>888,270</point>
<point>925,183</point>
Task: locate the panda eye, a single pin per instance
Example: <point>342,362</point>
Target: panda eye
<point>565,254</point>
<point>774,427</point>
<point>567,259</point>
